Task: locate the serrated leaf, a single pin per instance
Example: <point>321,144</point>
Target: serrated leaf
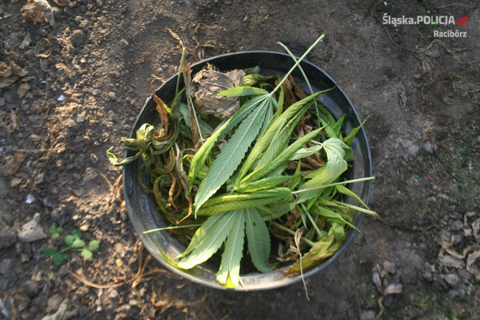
<point>243,92</point>
<point>232,154</point>
<point>86,254</point>
<point>244,201</point>
<point>211,242</point>
<point>258,240</point>
<point>283,157</point>
<point>93,245</point>
<point>266,183</point>
<point>48,252</point>
<point>78,243</point>
<point>202,233</point>
<point>229,272</point>
<point>58,259</point>
<point>344,190</point>
<point>200,158</point>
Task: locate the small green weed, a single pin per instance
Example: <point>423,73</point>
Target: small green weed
<point>72,241</point>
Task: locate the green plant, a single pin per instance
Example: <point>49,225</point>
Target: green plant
<point>72,241</point>
<point>273,169</point>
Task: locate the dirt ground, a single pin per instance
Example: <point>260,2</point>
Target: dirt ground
<point>72,87</point>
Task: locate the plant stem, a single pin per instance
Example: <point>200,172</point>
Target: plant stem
<point>334,184</point>
<point>279,226</point>
<point>296,64</point>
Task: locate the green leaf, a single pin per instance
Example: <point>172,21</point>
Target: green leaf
<point>348,192</point>
<point>258,240</point>
<point>266,183</point>
<point>205,127</point>
<point>184,113</point>
<point>69,240</point>
<point>336,165</point>
<point>233,202</point>
<point>243,92</point>
<point>93,245</point>
<point>200,158</point>
<point>349,139</point>
<point>232,154</point>
<point>283,157</point>
<point>48,252</point>
<point>52,229</point>
<point>331,215</point>
<point>297,177</point>
<point>211,241</point>
<point>86,254</point>
<point>305,152</point>
<point>229,272</point>
<point>337,127</point>
<point>77,234</point>
<point>58,259</point>
<point>78,243</point>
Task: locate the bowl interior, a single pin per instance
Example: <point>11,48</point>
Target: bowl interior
<point>141,207</point>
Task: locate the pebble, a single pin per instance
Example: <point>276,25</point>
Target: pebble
<point>2,102</point>
<point>112,96</point>
<point>7,238</point>
<point>5,266</point>
<point>456,225</point>
<point>32,231</point>
<point>389,267</point>
<point>452,279</point>
<point>77,38</point>
<point>32,288</point>
<point>124,43</point>
<point>54,302</point>
<point>90,174</point>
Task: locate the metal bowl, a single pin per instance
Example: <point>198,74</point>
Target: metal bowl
<point>142,208</point>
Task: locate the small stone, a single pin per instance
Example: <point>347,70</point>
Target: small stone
<point>452,279</point>
<point>81,117</point>
<point>124,43</point>
<point>7,238</point>
<point>389,267</point>
<point>90,174</point>
<point>77,38</point>
<point>2,102</point>
<point>32,288</point>
<point>456,225</point>
<point>93,158</point>
<point>5,266</point>
<point>32,231</point>
<point>54,302</point>
<point>367,315</point>
<point>15,182</point>
<point>112,96</point>
<point>120,249</point>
